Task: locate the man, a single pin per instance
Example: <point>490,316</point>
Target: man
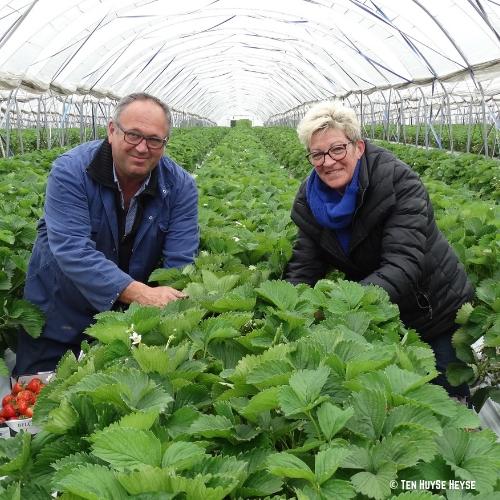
<point>114,211</point>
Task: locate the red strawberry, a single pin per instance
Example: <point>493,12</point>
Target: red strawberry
<point>34,385</point>
<point>7,399</point>
<point>8,412</point>
<point>17,387</point>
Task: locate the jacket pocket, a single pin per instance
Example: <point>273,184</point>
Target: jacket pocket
<point>162,228</point>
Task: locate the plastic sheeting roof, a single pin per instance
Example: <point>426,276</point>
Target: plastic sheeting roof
<point>230,58</point>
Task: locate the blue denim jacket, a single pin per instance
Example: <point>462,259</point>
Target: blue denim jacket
<point>73,272</point>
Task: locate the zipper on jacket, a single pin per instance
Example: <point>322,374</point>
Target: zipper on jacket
<point>362,199</point>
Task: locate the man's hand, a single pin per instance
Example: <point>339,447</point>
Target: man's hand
<point>149,296</point>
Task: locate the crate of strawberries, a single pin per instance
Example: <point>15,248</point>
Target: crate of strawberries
<point>17,405</point>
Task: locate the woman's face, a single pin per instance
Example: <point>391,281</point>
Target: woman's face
<point>336,168</point>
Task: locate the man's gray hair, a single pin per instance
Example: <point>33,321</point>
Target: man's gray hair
<point>326,115</point>
<point>141,96</point>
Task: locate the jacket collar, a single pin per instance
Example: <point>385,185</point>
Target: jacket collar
<point>101,170</point>
<point>364,178</point>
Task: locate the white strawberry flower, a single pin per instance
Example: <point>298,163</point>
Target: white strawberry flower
<point>170,338</point>
<point>135,338</point>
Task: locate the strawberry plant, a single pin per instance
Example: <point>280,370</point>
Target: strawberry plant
<point>21,196</point>
<point>479,323</point>
<point>16,237</point>
<point>339,412</point>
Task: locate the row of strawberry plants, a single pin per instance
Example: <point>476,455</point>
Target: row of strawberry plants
<point>466,170</point>
<point>250,387</point>
<point>29,140</point>
<point>459,134</point>
<point>473,227</point>
<point>21,199</point>
<point>188,146</point>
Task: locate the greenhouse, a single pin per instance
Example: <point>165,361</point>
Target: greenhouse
<point>250,249</point>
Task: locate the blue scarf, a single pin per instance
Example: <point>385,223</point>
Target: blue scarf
<point>332,209</point>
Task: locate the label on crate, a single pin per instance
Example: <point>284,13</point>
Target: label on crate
<point>22,424</point>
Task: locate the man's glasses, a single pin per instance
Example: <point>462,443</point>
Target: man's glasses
<point>135,139</point>
<point>337,152</point>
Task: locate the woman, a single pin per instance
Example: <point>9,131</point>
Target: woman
<point>366,213</point>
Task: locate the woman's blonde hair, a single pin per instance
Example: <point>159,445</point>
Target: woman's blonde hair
<point>325,115</point>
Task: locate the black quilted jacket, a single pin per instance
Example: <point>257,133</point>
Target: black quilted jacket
<point>395,244</point>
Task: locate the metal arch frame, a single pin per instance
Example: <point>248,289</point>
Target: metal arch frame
<point>468,67</point>
<point>127,6</point>
<point>421,113</point>
<point>53,115</point>
<point>15,25</point>
<point>149,84</point>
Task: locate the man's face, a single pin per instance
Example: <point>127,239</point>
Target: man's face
<point>134,162</point>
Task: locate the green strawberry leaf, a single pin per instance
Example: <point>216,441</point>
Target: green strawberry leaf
<point>332,419</point>
<point>281,294</point>
<point>369,413</point>
<point>264,400</point>
<point>375,485</point>
<point>126,447</point>
<point>14,453</point>
<point>287,465</point>
<point>210,426</point>
<point>182,455</point>
<point>259,484</point>
<point>91,482</point>
<point>326,462</point>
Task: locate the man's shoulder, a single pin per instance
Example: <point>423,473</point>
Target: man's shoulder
<point>171,173</point>
<point>169,165</point>
<point>81,154</point>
